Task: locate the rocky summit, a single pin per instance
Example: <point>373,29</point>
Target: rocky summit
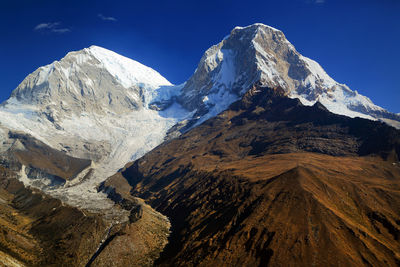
<point>259,158</point>
<point>259,53</point>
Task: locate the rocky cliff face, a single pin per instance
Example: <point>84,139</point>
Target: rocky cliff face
<point>259,53</point>
<point>71,124</point>
<point>99,105</point>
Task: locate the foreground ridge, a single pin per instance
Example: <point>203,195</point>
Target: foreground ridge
<point>99,105</point>
<point>259,158</point>
<point>271,181</point>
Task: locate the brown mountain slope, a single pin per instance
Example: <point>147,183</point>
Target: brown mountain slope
<point>39,230</point>
<point>270,181</point>
<point>40,159</point>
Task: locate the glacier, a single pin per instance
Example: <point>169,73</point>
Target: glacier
<point>99,105</point>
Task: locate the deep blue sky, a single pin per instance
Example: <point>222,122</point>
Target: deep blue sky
<point>356,42</point>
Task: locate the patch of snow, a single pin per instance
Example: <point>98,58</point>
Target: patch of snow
<point>220,96</point>
<point>226,74</point>
<point>217,102</point>
<point>258,25</point>
<point>334,106</point>
<point>213,57</point>
<point>394,123</point>
<point>317,72</point>
<point>23,177</point>
<point>266,66</point>
<point>161,93</point>
<point>44,73</point>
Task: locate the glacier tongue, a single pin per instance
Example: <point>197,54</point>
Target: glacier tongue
<point>96,104</point>
<point>93,104</point>
<point>111,141</point>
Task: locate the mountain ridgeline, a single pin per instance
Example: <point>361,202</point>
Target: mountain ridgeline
<point>271,181</point>
<point>259,158</point>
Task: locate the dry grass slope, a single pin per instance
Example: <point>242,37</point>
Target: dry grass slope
<point>270,181</point>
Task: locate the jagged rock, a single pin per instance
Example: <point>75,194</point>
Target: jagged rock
<point>136,213</point>
<point>262,54</point>
<point>99,105</point>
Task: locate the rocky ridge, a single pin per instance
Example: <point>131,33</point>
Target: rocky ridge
<point>98,105</point>
<point>94,110</point>
<point>260,53</point>
<point>270,181</point>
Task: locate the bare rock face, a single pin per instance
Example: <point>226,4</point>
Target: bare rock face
<point>259,53</point>
<point>73,123</point>
<point>99,105</point>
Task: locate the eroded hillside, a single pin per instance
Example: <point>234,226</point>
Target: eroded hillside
<point>270,181</point>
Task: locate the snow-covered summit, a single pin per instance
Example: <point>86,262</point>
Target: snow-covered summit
<point>254,26</point>
<point>96,104</point>
<point>90,80</point>
<point>127,71</point>
<point>83,104</point>
<point>260,53</point>
<point>93,104</point>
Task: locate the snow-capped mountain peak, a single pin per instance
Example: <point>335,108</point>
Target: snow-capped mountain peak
<point>96,104</point>
<point>127,71</point>
<point>93,79</point>
<point>256,26</point>
<point>261,54</point>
